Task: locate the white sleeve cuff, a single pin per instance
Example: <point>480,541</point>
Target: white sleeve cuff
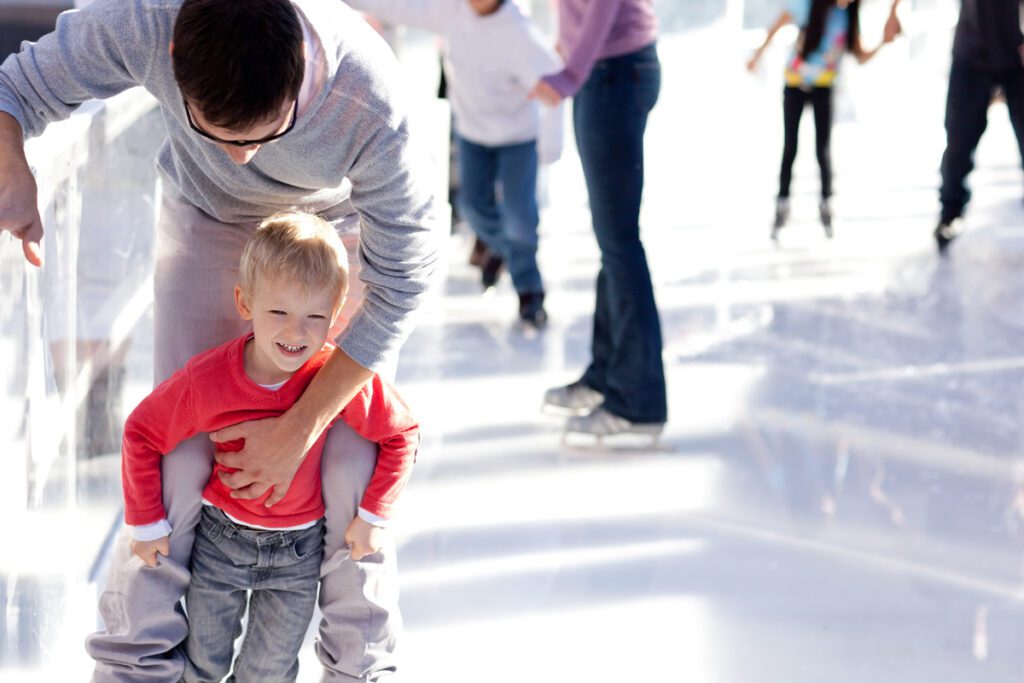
<point>151,532</point>
<point>373,519</point>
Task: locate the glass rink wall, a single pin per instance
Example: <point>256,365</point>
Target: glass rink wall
<point>76,340</point>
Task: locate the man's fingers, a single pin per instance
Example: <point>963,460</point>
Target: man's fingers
<point>31,239</point>
<point>236,480</point>
<point>276,496</point>
<point>250,492</point>
<point>231,433</point>
<point>230,459</point>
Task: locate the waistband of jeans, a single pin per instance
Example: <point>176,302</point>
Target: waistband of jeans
<point>232,528</point>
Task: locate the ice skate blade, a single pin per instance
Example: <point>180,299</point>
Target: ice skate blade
<point>564,411</point>
<point>621,443</point>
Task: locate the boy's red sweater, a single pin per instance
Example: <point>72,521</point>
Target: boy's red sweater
<point>212,392</point>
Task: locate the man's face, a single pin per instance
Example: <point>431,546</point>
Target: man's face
<point>242,154</point>
<point>289,323</point>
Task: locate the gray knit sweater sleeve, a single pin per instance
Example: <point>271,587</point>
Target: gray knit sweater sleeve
<point>85,57</point>
<point>351,148</point>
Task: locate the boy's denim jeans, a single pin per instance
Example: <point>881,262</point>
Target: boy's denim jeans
<point>610,116</point>
<point>281,568</point>
<point>507,223</point>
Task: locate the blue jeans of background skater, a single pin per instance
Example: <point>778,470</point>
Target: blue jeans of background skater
<point>282,568</point>
<point>498,197</point>
<point>609,118</point>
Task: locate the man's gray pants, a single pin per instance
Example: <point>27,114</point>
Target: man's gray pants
<point>196,271</point>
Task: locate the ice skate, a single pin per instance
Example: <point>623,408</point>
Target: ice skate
<point>491,271</point>
<point>781,216</point>
<point>946,231</point>
<point>600,424</point>
<point>825,211</point>
<point>572,399</point>
<point>531,310</point>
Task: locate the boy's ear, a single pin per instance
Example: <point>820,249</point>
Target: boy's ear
<point>241,305</point>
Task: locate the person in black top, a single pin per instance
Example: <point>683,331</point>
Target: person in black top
<point>988,56</point>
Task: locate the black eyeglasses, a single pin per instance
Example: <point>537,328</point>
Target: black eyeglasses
<point>241,143</point>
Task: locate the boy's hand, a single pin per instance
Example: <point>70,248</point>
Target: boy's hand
<point>546,94</point>
<point>148,550</point>
<point>364,538</point>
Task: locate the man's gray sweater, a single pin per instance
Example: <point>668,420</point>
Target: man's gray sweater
<point>350,149</point>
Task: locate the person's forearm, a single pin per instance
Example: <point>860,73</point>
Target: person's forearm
<point>335,384</point>
<point>12,142</point>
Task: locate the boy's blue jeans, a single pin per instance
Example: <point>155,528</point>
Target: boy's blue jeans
<point>610,117</point>
<point>506,223</point>
<point>281,568</point>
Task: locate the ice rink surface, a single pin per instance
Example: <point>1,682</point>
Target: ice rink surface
<point>838,495</point>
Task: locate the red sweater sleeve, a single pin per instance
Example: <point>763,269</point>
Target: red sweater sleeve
<point>378,414</point>
<point>160,422</point>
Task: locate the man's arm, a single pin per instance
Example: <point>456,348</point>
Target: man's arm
<point>400,255</point>
<point>92,53</point>
<point>292,434</point>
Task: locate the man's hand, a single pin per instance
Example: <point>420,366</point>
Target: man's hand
<point>148,550</point>
<point>19,211</point>
<point>274,449</point>
<point>363,538</point>
<point>546,93</point>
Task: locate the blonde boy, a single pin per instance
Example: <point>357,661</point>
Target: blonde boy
<point>292,285</point>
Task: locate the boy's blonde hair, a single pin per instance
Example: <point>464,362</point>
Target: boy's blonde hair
<point>295,246</point>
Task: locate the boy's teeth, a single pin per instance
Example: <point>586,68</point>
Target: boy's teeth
<point>292,349</point>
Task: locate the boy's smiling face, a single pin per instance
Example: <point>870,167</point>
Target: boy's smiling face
<point>290,324</point>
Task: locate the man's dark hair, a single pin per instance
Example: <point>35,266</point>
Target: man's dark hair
<point>238,61</point>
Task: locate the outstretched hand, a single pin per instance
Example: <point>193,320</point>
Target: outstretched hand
<point>273,451</point>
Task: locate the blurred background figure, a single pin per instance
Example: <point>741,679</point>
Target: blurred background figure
<point>828,30</point>
<point>988,58</point>
<point>614,75</point>
<point>492,57</point>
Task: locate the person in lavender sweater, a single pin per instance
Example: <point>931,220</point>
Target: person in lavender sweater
<point>268,105</point>
<point>613,73</point>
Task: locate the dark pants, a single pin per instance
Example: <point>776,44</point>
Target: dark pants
<point>794,100</point>
<point>970,93</point>
<point>609,118</point>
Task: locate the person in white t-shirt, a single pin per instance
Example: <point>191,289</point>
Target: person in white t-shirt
<point>493,56</point>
